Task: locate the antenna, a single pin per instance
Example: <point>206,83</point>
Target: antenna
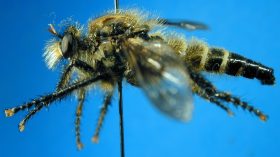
<point>116,2</point>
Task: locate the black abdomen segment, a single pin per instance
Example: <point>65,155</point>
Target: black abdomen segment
<point>222,61</point>
<point>214,60</point>
<point>239,65</point>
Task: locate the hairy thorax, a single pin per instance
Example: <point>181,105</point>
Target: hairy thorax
<point>118,24</point>
<point>105,35</point>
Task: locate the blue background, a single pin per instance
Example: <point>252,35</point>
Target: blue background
<point>251,28</point>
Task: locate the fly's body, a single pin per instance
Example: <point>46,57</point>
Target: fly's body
<point>126,45</point>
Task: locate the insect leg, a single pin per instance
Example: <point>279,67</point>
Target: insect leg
<point>67,72</point>
<point>202,93</point>
<point>237,102</point>
<point>206,90</point>
<point>84,66</point>
<point>103,111</point>
<point>81,99</point>
<point>203,83</point>
<point>211,90</point>
<point>63,81</point>
<point>65,77</point>
<point>21,125</point>
<point>57,95</point>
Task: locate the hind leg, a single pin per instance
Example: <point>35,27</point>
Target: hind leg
<point>212,93</point>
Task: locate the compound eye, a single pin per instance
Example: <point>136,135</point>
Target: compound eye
<point>68,45</point>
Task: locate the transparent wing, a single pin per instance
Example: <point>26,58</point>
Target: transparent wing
<point>162,76</point>
<point>185,24</point>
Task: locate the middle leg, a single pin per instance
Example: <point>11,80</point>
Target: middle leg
<point>103,111</point>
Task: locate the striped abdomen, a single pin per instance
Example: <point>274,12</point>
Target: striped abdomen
<point>221,61</point>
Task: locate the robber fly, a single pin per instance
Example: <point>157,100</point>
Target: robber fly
<point>125,45</point>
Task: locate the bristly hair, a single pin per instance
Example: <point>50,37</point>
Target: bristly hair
<point>52,53</point>
<point>135,16</point>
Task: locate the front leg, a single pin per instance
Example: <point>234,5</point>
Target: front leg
<point>50,98</point>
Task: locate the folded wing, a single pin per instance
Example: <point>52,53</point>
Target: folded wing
<point>161,75</point>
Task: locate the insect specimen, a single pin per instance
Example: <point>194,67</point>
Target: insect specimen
<point>126,45</point>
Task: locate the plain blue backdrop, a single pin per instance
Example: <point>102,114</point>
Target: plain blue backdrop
<point>248,27</point>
